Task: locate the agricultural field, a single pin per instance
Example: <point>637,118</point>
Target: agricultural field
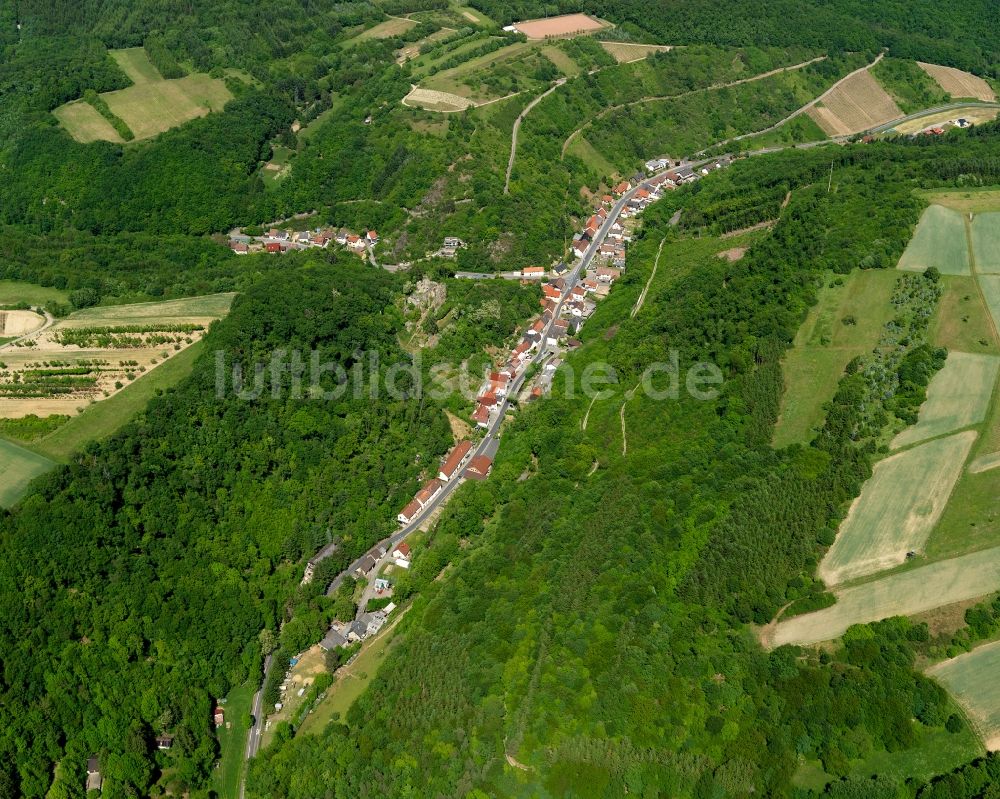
<point>431,100</point>
<point>962,321</point>
<point>96,352</point>
<point>958,83</point>
<point>826,342</point>
<point>17,291</point>
<point>958,396</point>
<point>985,463</point>
<point>897,509</point>
<point>136,64</point>
<point>565,25</point>
<point>990,285</point>
<point>986,242</point>
<point>85,124</point>
<point>18,467</point>
<point>856,105</point>
<point>232,741</point>
<point>906,593</point>
<point>566,65</point>
<point>971,200</point>
<point>626,52</point>
<point>972,680</point>
<point>149,107</point>
<point>18,323</point>
<point>940,241</point>
<point>411,51</point>
<point>493,75</point>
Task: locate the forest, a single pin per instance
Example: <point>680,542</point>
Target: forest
<point>532,649</point>
<point>135,581</point>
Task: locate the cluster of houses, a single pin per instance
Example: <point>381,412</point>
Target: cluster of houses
<point>278,241</point>
<point>460,463</point>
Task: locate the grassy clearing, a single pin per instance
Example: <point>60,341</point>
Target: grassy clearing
<point>590,155</point>
<point>470,14</point>
<point>15,291</point>
<point>135,63</point>
<point>278,168</point>
<point>958,396</point>
<point>104,418</point>
<point>897,509</point>
<point>152,108</point>
<point>972,680</point>
<point>85,124</point>
<point>566,65</point>
<point>940,240</point>
<point>974,200</point>
<point>394,26</point>
<point>18,467</point>
<point>971,522</point>
<point>986,242</point>
<point>349,683</point>
<point>824,345</point>
<point>903,594</point>
<point>232,741</point>
<point>208,305</point>
<point>961,321</point>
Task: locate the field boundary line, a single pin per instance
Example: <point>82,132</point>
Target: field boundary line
<point>517,127</point>
<point>974,267</point>
<point>642,296</point>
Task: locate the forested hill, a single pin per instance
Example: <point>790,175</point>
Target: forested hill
<point>135,581</point>
<point>592,642</point>
<point>963,34</point>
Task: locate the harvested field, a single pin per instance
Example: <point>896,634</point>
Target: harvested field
<point>17,323</point>
<point>432,100</point>
<point>971,200</point>
<point>897,509</point>
<point>958,396</point>
<point>83,122</point>
<point>985,463</point>
<point>97,352</point>
<point>18,467</point>
<point>857,104</point>
<point>939,241</point>
<point>903,594</point>
<point>972,680</point>
<point>990,285</point>
<point>151,108</point>
<point>135,63</point>
<point>958,83</point>
<point>986,242</point>
<point>565,25</point>
<point>626,52</point>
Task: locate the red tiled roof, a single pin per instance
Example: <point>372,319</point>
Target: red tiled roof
<point>454,459</point>
<point>481,414</point>
<point>411,509</point>
<point>403,549</point>
<point>479,467</point>
<point>489,399</point>
<point>425,494</point>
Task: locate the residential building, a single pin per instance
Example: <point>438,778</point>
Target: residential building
<point>94,779</point>
<point>479,467</point>
<point>402,550</point>
<point>430,490</point>
<point>481,416</point>
<point>454,460</point>
<point>409,513</point>
<point>332,640</point>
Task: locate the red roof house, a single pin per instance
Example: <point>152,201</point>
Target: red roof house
<point>450,467</point>
<point>479,467</point>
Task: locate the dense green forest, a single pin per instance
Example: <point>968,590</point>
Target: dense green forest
<point>534,650</point>
<point>136,580</point>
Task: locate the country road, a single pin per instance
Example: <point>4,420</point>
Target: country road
<point>517,127</point>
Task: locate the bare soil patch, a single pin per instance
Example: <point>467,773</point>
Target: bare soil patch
<point>18,323</point>
<point>733,254</point>
<point>857,104</point>
<point>565,25</point>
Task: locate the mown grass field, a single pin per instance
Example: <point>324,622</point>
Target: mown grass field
<point>85,124</point>
<point>384,30</point>
<point>939,241</point>
<point>824,345</point>
<point>958,396</point>
<point>975,200</point>
<point>902,594</point>
<point>990,285</point>
<point>232,741</point>
<point>897,509</point>
<point>986,242</point>
<point>152,108</point>
<point>962,321</point>
<point>15,291</point>
<point>18,467</point>
<point>136,64</point>
<point>972,679</point>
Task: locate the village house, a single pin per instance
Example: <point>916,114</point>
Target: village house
<point>606,274</point>
<point>219,716</point>
<point>357,631</point>
<point>164,741</point>
<point>454,460</point>
<point>497,383</point>
<point>479,468</point>
<point>273,247</point>
<point>341,237</point>
<point>481,416</point>
<point>409,513</point>
<point>365,565</point>
<point>382,585</point>
<point>332,640</point>
<point>551,292</point>
<point>277,235</point>
<point>355,242</point>
<point>557,331</point>
<point>450,246</point>
<point>430,490</point>
<point>402,550</point>
<point>560,269</point>
<point>621,188</point>
<point>533,271</point>
<point>371,238</point>
<point>489,399</point>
